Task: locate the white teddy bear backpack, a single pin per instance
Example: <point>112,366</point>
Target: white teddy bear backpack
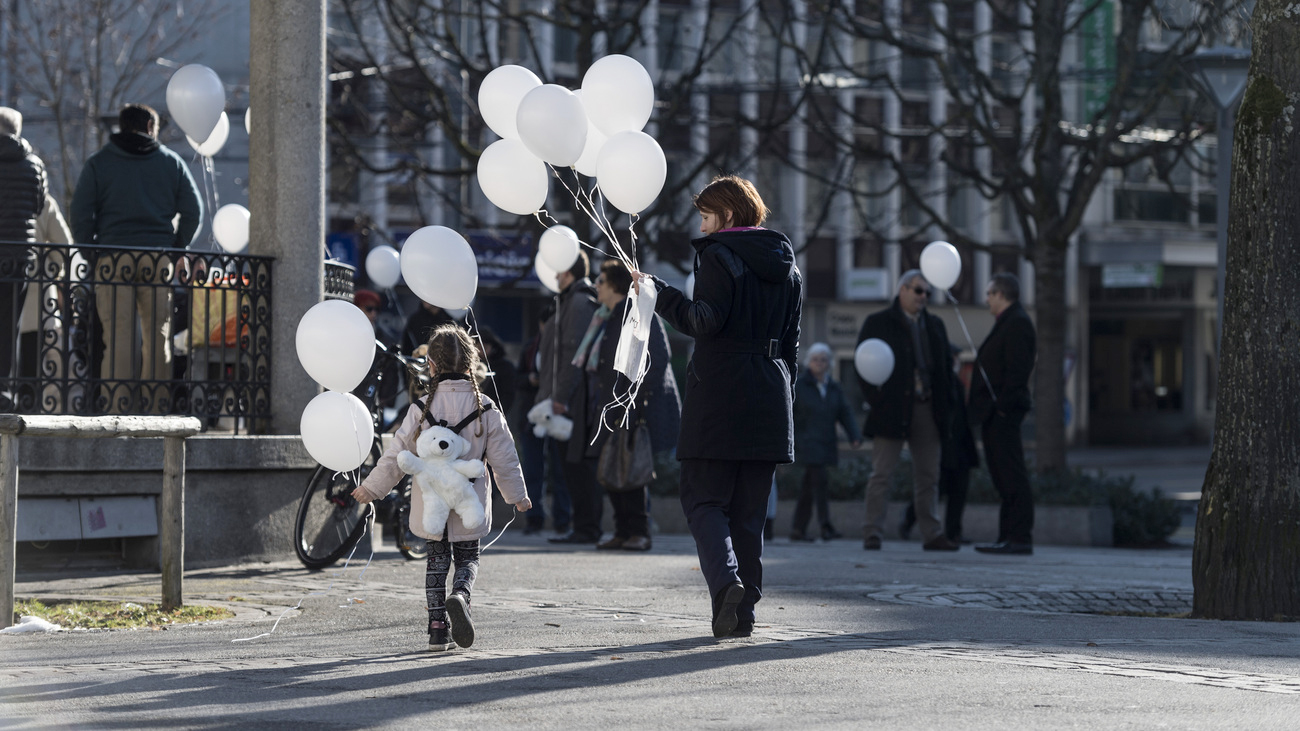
<point>445,480</point>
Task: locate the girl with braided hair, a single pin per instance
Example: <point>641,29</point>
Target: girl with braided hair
<point>456,402</point>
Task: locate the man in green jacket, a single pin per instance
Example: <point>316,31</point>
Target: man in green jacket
<point>129,193</point>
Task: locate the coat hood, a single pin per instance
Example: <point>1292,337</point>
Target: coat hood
<point>13,148</point>
<point>134,143</point>
<point>766,252</point>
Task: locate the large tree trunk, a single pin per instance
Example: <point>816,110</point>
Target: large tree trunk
<point>1246,563</point>
<point>1049,381</point>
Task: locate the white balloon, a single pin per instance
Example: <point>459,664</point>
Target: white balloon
<point>631,171</point>
<point>337,430</point>
<point>559,248</point>
<point>195,99</point>
<point>596,139</point>
<point>248,113</point>
<point>440,267</point>
<point>553,124</point>
<point>499,96</point>
<point>384,266</point>
<point>619,94</point>
<point>874,360</point>
<point>230,227</point>
<point>512,178</point>
<point>336,344</point>
<point>549,278</point>
<point>941,264</point>
<point>690,286</point>
<point>211,146</point>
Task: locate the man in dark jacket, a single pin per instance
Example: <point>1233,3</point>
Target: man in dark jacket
<point>128,194</point>
<point>22,197</point>
<point>563,382</point>
<point>912,407</point>
<point>999,400</point>
<point>737,424</point>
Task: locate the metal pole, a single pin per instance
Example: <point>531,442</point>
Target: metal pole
<point>1223,188</point>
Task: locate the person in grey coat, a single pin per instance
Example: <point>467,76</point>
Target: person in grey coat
<point>565,385</point>
<point>819,405</point>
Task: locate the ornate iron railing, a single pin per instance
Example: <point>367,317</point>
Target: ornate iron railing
<point>340,280</point>
<point>126,330</point>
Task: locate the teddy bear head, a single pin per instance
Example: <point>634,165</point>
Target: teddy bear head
<point>439,442</point>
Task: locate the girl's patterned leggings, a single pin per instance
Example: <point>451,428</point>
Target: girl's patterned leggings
<point>441,555</point>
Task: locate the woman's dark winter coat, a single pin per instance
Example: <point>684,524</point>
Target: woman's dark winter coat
<point>745,321</point>
<point>891,403</point>
<point>657,400</point>
<point>815,416</point>
<point>22,189</point>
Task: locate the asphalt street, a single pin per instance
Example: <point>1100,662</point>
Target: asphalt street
<point>574,638</point>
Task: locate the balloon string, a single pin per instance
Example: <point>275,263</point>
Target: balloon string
<point>966,332</point>
<point>595,212</point>
<point>369,517</point>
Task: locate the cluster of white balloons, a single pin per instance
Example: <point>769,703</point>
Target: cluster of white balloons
<point>196,99</point>
<point>336,342</point>
<point>596,130</point>
<point>941,267</point>
<point>336,346</point>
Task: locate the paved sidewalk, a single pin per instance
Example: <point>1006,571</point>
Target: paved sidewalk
<point>584,639</point>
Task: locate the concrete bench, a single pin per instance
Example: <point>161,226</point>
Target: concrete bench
<point>171,530</point>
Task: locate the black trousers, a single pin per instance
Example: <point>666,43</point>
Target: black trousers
<point>812,491</point>
<point>12,295</point>
<point>586,498</point>
<point>725,502</point>
<point>630,516</point>
<point>953,484</point>
<point>1005,454</point>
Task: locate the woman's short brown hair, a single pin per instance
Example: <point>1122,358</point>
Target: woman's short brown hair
<point>733,193</point>
<point>616,275</point>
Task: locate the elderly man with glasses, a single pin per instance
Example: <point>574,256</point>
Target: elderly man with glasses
<point>912,407</point>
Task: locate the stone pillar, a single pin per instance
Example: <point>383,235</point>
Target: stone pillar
<point>286,168</point>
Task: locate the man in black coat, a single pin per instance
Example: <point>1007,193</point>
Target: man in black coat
<point>737,423</point>
<point>912,406</point>
<point>999,400</point>
<point>22,198</point>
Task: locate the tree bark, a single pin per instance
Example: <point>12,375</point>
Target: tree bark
<point>1049,381</point>
<point>1246,562</point>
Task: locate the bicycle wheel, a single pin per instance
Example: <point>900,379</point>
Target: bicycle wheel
<point>330,521</point>
<point>413,547</point>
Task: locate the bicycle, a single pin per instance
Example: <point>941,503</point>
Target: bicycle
<point>330,521</point>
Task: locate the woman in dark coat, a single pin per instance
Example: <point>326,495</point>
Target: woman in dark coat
<point>657,402</point>
<point>819,405</point>
<point>736,417</point>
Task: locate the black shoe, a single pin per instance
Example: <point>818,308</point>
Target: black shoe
<point>462,627</point>
<point>801,537</point>
<point>532,530</point>
<point>871,543</point>
<point>1007,548</point>
<point>573,538</point>
<point>744,628</point>
<point>724,618</point>
<point>439,639</point>
<point>941,543</point>
<point>829,533</point>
